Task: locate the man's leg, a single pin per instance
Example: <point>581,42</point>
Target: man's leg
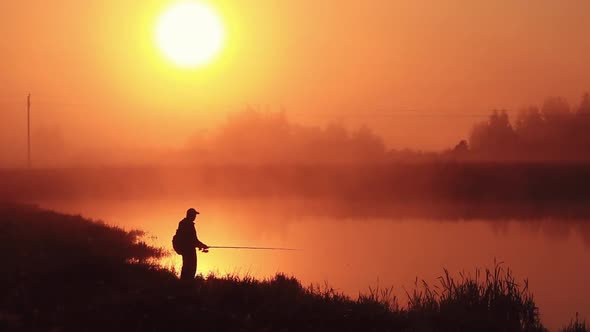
<point>189,265</point>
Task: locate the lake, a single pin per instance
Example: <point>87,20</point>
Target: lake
<point>353,251</point>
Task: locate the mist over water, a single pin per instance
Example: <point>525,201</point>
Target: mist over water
<point>354,252</point>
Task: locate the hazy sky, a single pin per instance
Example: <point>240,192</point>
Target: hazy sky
<point>98,79</point>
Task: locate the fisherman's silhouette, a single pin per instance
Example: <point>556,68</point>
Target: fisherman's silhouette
<point>185,243</point>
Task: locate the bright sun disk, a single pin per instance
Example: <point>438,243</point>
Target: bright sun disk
<point>189,34</point>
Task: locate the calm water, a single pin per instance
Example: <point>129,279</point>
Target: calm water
<point>351,254</point>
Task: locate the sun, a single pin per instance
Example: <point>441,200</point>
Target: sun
<point>190,34</point>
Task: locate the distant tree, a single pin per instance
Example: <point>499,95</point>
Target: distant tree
<point>331,144</point>
<point>494,137</point>
<point>555,109</point>
<point>559,133</point>
<point>584,107</point>
<point>367,145</point>
<point>530,128</point>
<point>462,147</point>
<point>459,151</point>
<point>582,126</point>
<point>253,136</point>
<point>553,132</point>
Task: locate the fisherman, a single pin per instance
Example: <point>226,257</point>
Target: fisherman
<point>185,241</point>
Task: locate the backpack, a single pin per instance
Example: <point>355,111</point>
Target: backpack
<point>179,242</point>
<point>176,245</point>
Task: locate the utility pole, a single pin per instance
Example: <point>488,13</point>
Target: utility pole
<point>29,130</point>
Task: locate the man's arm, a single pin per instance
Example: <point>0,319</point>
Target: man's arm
<point>198,243</point>
<point>201,245</point>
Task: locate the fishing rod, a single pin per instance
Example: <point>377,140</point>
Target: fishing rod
<point>252,248</point>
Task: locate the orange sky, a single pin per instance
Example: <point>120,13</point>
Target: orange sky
<point>98,79</point>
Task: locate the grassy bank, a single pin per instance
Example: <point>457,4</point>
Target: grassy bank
<point>67,273</point>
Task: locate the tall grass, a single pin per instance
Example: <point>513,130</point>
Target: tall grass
<point>494,302</point>
<point>576,325</point>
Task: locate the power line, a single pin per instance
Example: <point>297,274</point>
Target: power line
<point>379,114</point>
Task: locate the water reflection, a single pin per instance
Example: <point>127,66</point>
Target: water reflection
<point>354,246</point>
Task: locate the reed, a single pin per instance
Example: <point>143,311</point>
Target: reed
<point>576,325</point>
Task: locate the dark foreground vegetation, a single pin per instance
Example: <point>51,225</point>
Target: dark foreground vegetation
<point>67,273</point>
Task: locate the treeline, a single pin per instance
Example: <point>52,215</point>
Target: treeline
<point>555,131</point>
<point>256,137</point>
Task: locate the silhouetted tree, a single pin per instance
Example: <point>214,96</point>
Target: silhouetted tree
<point>557,115</point>
<point>552,133</point>
<point>582,125</point>
<point>367,145</point>
<point>555,109</point>
<point>585,104</point>
<point>495,136</point>
<point>461,147</point>
<point>253,136</point>
<point>530,128</point>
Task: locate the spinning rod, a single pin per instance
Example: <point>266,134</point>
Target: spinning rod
<point>252,248</point>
